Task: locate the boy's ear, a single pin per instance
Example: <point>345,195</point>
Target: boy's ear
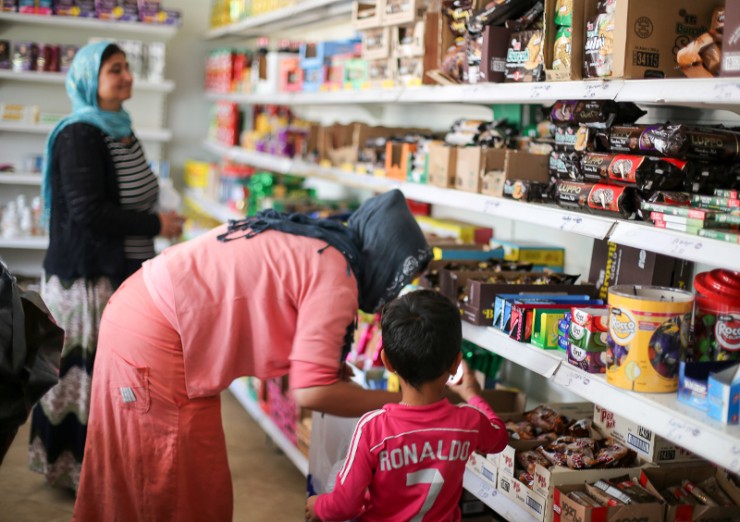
<point>456,364</point>
<point>386,362</point>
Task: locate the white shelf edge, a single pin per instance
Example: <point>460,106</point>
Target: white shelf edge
<point>711,92</point>
<point>663,413</point>
<point>491,497</point>
<point>159,135</point>
<point>217,211</point>
<point>239,390</point>
<point>25,243</point>
<point>59,78</point>
<point>161,31</point>
<point>20,178</point>
<point>677,244</point>
<point>291,15</point>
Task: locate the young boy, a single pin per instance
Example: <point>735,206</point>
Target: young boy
<point>406,461</point>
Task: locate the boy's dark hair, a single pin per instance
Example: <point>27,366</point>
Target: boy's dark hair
<point>422,335</point>
<point>109,51</point>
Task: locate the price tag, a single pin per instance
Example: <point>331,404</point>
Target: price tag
<point>682,431</point>
<point>570,378</point>
<point>727,92</point>
<point>491,206</point>
<point>570,223</point>
<point>539,90</point>
<point>680,247</point>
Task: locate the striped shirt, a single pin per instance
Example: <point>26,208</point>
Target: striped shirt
<point>138,188</point>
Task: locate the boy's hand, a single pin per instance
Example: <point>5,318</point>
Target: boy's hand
<point>310,515</point>
<point>468,386</point>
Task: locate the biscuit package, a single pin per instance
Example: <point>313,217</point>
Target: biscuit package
<point>599,46</point>
<point>525,61</point>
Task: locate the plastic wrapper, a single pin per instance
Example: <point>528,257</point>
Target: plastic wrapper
<point>455,61</point>
<point>602,497</point>
<point>613,455</point>
<point>699,493</point>
<point>699,143</point>
<point>497,12</point>
<point>526,478</point>
<point>705,178</point>
<point>564,12</point>
<point>525,190</point>
<point>634,491</point>
<point>565,165</point>
<point>572,452</point>
<point>520,430</point>
<point>599,47</point>
<point>631,139</point>
<point>561,49</point>
<point>545,418</point>
<point>598,198</point>
<point>581,429</point>
<point>528,459</point>
<point>525,59</point>
<point>584,499</point>
<point>646,172</point>
<point>532,19</point>
<point>595,113</point>
<point>457,13</point>
<point>566,137</point>
<point>712,488</point>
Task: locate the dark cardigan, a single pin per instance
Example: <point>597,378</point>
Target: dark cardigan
<point>88,226</point>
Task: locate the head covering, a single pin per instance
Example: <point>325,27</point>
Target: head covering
<point>82,89</point>
<point>382,243</point>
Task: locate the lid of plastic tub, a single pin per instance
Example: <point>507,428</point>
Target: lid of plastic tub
<point>722,285</point>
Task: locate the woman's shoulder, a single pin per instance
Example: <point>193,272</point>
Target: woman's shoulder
<point>81,130</point>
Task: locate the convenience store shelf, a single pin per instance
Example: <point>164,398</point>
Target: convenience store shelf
<point>25,243</point>
<point>686,426</point>
<point>158,135</point>
<point>92,24</point>
<point>239,389</point>
<point>709,93</point>
<point>20,178</point>
<point>490,496</point>
<point>58,78</point>
<point>630,233</point>
<point>302,13</point>
<point>211,208</point>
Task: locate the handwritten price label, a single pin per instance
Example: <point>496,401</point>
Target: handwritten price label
<point>491,206</point>
<point>570,223</point>
<point>680,247</point>
<point>540,90</point>
<point>680,430</point>
<point>727,92</point>
<point>572,378</point>
<point>597,90</point>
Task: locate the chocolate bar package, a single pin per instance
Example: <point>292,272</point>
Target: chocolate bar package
<point>24,56</point>
<point>706,178</point>
<point>598,198</point>
<point>599,46</point>
<point>566,137</point>
<point>4,54</point>
<point>700,143</point>
<point>497,12</point>
<point>532,19</point>
<point>645,172</point>
<point>525,59</point>
<point>595,113</point>
<point>634,139</point>
<point>525,190</point>
<point>565,165</point>
<point>8,6</point>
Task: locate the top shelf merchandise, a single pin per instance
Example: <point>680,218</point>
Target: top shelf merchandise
<point>158,31</point>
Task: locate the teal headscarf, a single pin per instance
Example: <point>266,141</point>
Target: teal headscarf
<point>82,89</point>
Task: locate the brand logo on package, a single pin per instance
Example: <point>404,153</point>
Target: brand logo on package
<point>644,27</point>
<point>727,332</point>
<point>638,443</point>
<point>622,326</point>
<point>578,354</point>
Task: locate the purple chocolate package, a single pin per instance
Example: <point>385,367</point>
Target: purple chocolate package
<point>4,54</point>
<point>130,10</point>
<point>9,6</point>
<point>107,9</point>
<point>67,55</point>
<point>149,10</point>
<point>65,7</point>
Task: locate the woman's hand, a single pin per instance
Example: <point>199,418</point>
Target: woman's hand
<point>310,514</point>
<point>468,386</point>
<point>170,224</point>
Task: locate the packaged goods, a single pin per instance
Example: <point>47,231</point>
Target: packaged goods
<point>599,47</point>
<point>562,49</point>
<point>647,173</point>
<point>529,20</point>
<point>598,198</point>
<point>525,60</point>
<point>648,331</point>
<point>717,316</point>
<point>595,113</point>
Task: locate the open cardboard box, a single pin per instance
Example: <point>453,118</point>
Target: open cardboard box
<point>565,509</point>
<point>442,164</point>
<point>517,165</point>
<point>656,480</point>
<point>647,34</point>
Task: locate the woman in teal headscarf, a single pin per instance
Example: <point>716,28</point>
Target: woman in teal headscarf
<point>100,197</point>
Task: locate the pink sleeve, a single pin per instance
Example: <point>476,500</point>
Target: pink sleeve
<point>494,436</point>
<point>347,500</point>
<point>323,319</point>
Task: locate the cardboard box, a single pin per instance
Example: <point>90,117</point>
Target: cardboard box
<point>483,467</point>
<point>442,164</point>
<point>566,509</point>
<point>723,395</point>
<point>291,75</point>
<point>578,39</point>
<point>403,11</point>
<point>517,166</point>
<point>731,41</point>
<point>367,13</point>
<point>408,39</point>
<point>376,43</point>
<point>693,381</point>
<point>531,252</point>
<point>612,264</point>
<point>380,74</point>
<point>656,480</point>
<point>648,445</point>
<point>473,163</point>
<point>647,34</point>
<point>493,54</point>
<point>460,231</point>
